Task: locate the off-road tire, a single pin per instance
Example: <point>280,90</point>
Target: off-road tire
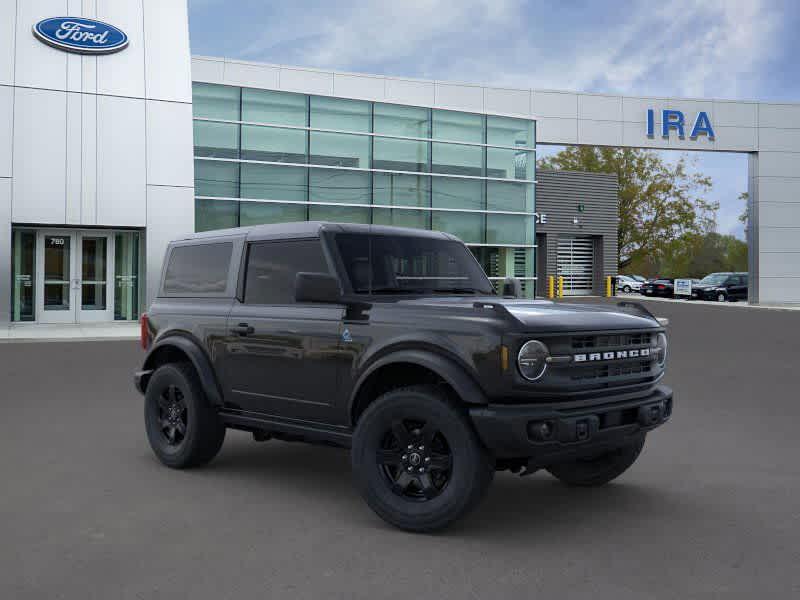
<point>471,469</point>
<point>203,431</point>
<point>598,470</point>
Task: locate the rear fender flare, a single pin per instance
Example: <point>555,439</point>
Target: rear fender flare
<point>197,356</point>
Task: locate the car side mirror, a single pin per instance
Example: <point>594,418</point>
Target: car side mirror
<point>317,287</point>
<point>512,287</point>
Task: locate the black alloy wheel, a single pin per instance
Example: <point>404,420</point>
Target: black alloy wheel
<point>416,459</point>
<point>183,428</point>
<point>172,415</point>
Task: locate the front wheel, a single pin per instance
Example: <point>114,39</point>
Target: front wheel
<point>417,461</point>
<point>183,429</point>
<point>598,470</point>
<point>626,289</point>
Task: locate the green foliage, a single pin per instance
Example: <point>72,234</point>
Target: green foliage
<point>694,255</point>
<point>659,203</point>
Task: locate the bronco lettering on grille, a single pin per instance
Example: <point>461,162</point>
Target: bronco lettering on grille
<point>615,355</point>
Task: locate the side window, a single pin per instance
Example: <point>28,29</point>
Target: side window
<point>273,266</point>
<point>198,269</point>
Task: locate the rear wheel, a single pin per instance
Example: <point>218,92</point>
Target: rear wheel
<point>598,470</point>
<point>183,429</point>
<point>721,297</point>
<point>626,289</point>
<point>417,461</point>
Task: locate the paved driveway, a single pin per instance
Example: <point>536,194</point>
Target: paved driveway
<point>711,509</point>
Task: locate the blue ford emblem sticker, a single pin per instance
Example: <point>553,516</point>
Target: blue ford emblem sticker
<point>76,34</point>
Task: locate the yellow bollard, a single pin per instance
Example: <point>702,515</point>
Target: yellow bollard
<point>551,287</point>
<point>608,286</point>
<point>561,286</point>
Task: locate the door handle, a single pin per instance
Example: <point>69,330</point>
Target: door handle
<point>243,329</point>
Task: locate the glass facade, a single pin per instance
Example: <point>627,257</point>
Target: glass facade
<point>264,156</point>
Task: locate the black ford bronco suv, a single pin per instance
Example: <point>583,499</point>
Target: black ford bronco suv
<point>392,342</point>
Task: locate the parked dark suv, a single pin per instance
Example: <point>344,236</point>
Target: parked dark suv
<point>392,342</point>
<point>721,287</point>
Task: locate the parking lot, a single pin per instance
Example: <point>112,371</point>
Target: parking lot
<point>710,509</point>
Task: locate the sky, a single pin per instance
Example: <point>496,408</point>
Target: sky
<point>733,49</point>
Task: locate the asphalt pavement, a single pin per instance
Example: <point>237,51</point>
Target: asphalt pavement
<point>710,510</point>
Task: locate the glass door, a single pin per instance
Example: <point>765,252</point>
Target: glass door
<point>95,275</point>
<point>56,277</point>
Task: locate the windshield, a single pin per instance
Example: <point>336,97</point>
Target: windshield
<point>387,264</point>
<point>714,279</point>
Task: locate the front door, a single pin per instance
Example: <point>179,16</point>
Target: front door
<point>73,272</point>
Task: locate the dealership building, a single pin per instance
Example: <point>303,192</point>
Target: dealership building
<point>115,140</point>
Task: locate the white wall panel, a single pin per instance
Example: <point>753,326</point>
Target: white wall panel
<point>6,127</point>
<point>307,81</point>
<point>408,91</point>
<point>634,109</point>
<point>8,23</point>
<point>89,159</point>
<point>635,135</point>
<point>208,70</point>
<point>778,164</point>
<point>36,64</point>
<point>602,133</point>
<point>738,139</point>
<point>781,140</point>
<point>121,169</point>
<point>779,189</point>
<point>166,37</point>
<point>735,114</point>
<point>779,214</point>
<point>508,102</point>
<point>464,97</point>
<point>556,131</point>
<point>555,104</point>
<point>170,214</point>
<point>74,159</point>
<point>169,143</point>
<point>250,75</point>
<point>777,239</point>
<point>779,264</point>
<point>779,115</point>
<point>39,156</point>
<point>779,290</point>
<point>122,73</point>
<point>358,86</point>
<point>5,250</point>
<point>599,108</point>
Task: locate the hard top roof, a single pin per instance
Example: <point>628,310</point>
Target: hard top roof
<point>306,229</point>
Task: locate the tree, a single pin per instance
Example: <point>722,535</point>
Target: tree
<point>659,202</point>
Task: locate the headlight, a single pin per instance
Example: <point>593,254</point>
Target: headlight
<point>532,360</point>
<point>661,344</point>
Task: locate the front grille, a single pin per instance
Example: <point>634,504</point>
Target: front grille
<point>580,342</point>
<point>606,371</point>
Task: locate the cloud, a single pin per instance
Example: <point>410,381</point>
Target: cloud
<point>683,48</point>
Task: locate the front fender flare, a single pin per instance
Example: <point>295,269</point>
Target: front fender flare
<point>198,358</point>
<point>454,374</point>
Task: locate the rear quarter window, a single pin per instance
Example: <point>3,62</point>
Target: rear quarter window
<point>198,269</point>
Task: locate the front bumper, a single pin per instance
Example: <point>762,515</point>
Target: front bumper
<point>549,433</point>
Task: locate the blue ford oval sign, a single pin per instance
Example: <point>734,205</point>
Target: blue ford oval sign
<point>76,34</point>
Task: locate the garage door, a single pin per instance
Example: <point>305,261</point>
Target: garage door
<point>576,264</point>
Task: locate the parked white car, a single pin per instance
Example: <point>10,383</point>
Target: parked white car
<point>627,284</point>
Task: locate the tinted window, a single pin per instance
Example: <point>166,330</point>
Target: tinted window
<point>384,264</point>
<point>273,266</point>
<point>198,269</point>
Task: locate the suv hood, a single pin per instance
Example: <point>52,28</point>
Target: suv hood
<point>547,316</point>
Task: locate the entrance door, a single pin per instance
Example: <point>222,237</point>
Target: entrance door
<point>575,263</point>
<point>73,272</point>
<point>94,271</point>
